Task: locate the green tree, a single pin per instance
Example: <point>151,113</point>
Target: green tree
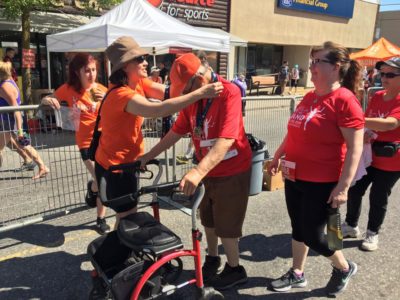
<point>21,9</point>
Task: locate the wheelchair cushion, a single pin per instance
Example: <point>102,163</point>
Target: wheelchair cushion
<point>141,231</point>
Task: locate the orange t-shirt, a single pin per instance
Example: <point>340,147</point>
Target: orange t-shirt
<point>87,121</point>
<point>121,139</point>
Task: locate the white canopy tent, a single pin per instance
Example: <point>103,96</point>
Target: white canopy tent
<point>148,25</point>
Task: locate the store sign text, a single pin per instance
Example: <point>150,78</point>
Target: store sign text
<point>189,13</point>
<point>338,8</point>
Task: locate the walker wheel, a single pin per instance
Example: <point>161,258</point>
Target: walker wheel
<point>208,293</point>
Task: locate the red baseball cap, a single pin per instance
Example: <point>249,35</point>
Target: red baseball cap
<point>183,68</point>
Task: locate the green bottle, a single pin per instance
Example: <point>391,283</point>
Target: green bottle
<point>334,230</point>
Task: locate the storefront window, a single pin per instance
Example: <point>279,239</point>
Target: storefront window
<point>263,59</point>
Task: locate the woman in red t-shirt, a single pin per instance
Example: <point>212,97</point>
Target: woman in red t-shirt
<point>123,111</point>
<point>82,93</point>
<point>383,117</point>
<point>317,166</point>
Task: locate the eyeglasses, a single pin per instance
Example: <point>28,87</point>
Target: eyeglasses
<point>140,59</point>
<point>389,75</point>
<point>315,61</point>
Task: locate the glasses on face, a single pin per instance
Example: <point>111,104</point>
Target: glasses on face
<point>190,84</point>
<point>314,61</point>
<point>389,74</point>
<point>140,59</point>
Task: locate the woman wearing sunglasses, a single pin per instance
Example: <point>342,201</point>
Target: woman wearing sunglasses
<point>317,167</point>
<point>123,111</point>
<point>383,117</point>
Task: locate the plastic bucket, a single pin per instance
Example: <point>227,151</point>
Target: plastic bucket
<point>257,172</point>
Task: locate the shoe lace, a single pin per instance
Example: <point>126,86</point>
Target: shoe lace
<point>289,275</point>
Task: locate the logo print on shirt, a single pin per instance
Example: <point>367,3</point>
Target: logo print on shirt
<point>207,125</point>
<point>313,112</point>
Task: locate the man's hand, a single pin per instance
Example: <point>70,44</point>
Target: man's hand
<point>190,182</point>
<point>273,167</point>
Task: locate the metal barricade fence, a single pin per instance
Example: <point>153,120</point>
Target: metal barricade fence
<point>24,200</point>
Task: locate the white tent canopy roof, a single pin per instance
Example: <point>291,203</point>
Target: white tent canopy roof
<point>149,26</point>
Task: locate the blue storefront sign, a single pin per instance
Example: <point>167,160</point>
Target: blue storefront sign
<point>337,8</point>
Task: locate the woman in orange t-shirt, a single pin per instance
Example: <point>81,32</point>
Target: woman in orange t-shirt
<point>125,107</point>
<point>82,93</point>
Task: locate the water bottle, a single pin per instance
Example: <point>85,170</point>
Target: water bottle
<point>334,230</point>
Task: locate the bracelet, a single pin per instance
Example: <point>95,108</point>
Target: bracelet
<point>20,131</point>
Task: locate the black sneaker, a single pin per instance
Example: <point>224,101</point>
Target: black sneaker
<point>228,278</point>
<point>340,279</point>
<point>211,267</point>
<point>101,225</point>
<point>288,281</point>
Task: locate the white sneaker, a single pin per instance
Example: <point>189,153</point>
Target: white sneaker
<point>370,242</point>
<point>349,231</point>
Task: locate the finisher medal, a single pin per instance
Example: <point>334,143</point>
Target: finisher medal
<point>197,131</point>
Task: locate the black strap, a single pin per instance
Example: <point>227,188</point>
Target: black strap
<point>96,127</point>
<point>201,114</point>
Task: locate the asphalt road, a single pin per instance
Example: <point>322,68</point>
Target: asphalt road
<point>48,260</point>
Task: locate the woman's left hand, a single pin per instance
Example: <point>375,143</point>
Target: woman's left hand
<point>338,197</point>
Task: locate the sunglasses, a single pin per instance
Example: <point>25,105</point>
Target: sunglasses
<point>140,59</point>
<point>389,75</point>
<point>315,61</point>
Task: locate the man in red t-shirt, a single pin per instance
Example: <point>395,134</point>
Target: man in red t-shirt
<point>224,156</point>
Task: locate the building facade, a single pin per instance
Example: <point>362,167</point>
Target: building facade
<point>278,30</point>
<point>388,26</point>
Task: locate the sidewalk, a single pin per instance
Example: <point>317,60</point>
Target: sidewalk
<point>48,260</point>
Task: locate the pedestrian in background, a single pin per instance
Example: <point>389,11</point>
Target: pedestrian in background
<point>383,117</point>
<point>155,74</point>
<point>317,167</point>
<point>294,78</point>
<point>283,77</point>
<point>9,57</point>
<point>10,95</point>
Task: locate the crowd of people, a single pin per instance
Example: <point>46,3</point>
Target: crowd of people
<point>319,156</point>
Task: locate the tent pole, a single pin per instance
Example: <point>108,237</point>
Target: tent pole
<point>48,70</point>
<point>154,56</point>
<point>108,70</point>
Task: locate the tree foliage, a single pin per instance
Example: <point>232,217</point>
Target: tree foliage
<point>20,9</point>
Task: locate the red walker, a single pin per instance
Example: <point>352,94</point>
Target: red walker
<point>141,259</point>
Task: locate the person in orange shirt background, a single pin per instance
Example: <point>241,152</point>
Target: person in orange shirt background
<point>82,93</point>
<point>123,111</point>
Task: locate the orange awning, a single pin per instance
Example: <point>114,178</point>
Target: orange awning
<point>382,49</point>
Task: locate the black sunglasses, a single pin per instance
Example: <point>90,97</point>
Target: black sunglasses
<point>140,59</point>
<point>389,75</point>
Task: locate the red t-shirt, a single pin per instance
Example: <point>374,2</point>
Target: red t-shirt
<point>378,108</point>
<point>121,139</point>
<point>87,120</point>
<point>314,140</point>
<point>223,120</point>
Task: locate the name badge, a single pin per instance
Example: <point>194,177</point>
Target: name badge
<point>207,143</point>
<point>288,169</point>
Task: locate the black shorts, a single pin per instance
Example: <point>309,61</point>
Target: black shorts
<point>293,82</point>
<point>7,122</point>
<point>84,153</point>
<point>118,185</point>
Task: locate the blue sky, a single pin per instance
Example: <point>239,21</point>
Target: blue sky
<point>390,7</point>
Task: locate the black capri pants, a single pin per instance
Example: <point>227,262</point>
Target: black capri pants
<point>308,212</point>
<point>118,184</point>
